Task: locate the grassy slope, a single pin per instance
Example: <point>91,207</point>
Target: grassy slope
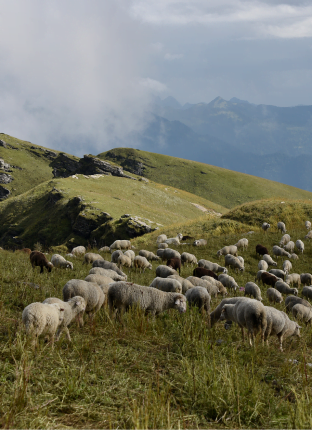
<point>224,187</point>
<point>173,372</point>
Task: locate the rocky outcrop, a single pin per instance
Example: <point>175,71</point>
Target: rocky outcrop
<point>5,178</point>
<point>3,143</point>
<point>4,193</point>
<point>64,166</point>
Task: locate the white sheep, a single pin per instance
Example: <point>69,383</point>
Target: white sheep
<point>200,242</point>
<point>187,259</point>
<point>281,226</point>
<point>284,240</point>
<point>301,312</point>
<point>290,246</point>
<point>115,255</point>
<point>307,225</point>
<point>307,292</point>
<point>300,245</point>
<point>279,324</point>
<point>186,285</point>
<point>215,315</point>
<point>252,289</point>
<point>291,301</point>
<point>218,284</point>
<point>130,254</point>
<point>231,249</point>
<point>169,253</point>
<point>214,267</point>
<point>279,273</point>
<point>228,281</point>
<point>287,266</point>
<point>212,289</point>
<point>42,319</point>
<point>174,240</point>
<point>96,278</point>
<point>150,256</point>
<point>306,278</point>
<point>124,261</point>
<point>263,265</point>
<point>60,262</point>
<point>294,257</point>
<point>162,245</point>
<point>167,284</point>
<point>141,263</point>
<point>293,278</point>
<point>242,243</point>
<point>79,250</point>
<point>233,262</point>
<point>199,296</point>
<point>108,273</point>
<point>309,235</point>
<point>91,257</point>
<point>265,226</point>
<point>120,244</point>
<point>161,238</point>
<point>104,249</point>
<point>269,260</point>
<point>274,296</point>
<point>165,271</point>
<point>72,309</point>
<point>284,288</point>
<point>280,252</point>
<point>108,265</point>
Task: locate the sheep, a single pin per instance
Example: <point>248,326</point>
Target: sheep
<point>174,263</point>
<point>72,308</point>
<point>130,254</point>
<point>218,284</point>
<point>280,252</point>
<point>198,282</point>
<point>150,256</point>
<point>165,271</point>
<point>108,273</point>
<point>166,284</point>
<point>215,315</point>
<point>104,249</point>
<point>284,288</point>
<point>122,296</point>
<point>141,263</point>
<point>279,324</point>
<point>252,289</point>
<point>91,292</point>
<point>101,280</point>
<point>42,318</point>
<point>234,262</point>
<point>302,312</point>
<point>287,266</point>
<point>79,250</point>
<point>107,265</point>
<point>228,281</point>
<point>242,243</point>
<point>188,259</point>
<point>186,285</point>
<point>300,245</point>
<point>291,301</point>
<point>263,265</point>
<point>201,271</point>
<point>214,267</point>
<point>39,259</point>
<point>293,278</point>
<point>231,249</point>
<point>161,238</point>
<point>268,279</point>
<point>309,235</point>
<point>265,226</point>
<point>199,296</point>
<point>90,258</point>
<point>241,259</point>
<point>306,278</point>
<point>307,225</point>
<point>307,292</point>
<point>120,244</point>
<point>115,255</point>
<point>278,272</point>
<point>60,262</point>
<point>200,242</point>
<point>248,314</point>
<point>124,261</point>
<point>162,245</point>
<point>281,226</point>
<point>284,240</point>
<point>289,247</point>
<point>258,275</point>
<point>160,253</point>
<point>169,253</point>
<point>269,260</point>
<point>294,257</point>
<point>274,296</point>
<point>261,250</point>
<point>174,240</point>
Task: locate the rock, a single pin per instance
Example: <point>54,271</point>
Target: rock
<point>84,225</point>
<point>4,193</point>
<point>3,165</point>
<point>3,143</point>
<point>89,165</point>
<point>64,166</point>
<point>125,216</point>
<point>144,180</point>
<point>5,178</point>
<point>54,196</point>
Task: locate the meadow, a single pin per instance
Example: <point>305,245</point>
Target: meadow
<point>171,372</point>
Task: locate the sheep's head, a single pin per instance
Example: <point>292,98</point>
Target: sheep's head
<point>180,236</point>
<point>69,265</point>
<point>180,303</point>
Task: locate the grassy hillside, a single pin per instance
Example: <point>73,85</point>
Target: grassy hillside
<point>224,187</point>
<point>76,210</point>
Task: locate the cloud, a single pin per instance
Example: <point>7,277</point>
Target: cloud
<point>153,85</point>
<point>173,56</point>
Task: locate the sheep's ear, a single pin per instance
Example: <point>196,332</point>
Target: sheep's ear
<point>177,302</point>
<point>299,326</point>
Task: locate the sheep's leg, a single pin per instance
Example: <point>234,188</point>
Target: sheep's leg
<point>41,269</point>
<point>280,338</point>
<point>243,334</point>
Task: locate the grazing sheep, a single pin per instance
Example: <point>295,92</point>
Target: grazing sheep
<point>300,245</point>
<point>291,301</point>
<point>160,253</point>
<point>198,282</point>
<point>233,262</point>
<point>248,314</point>
<point>188,259</point>
<point>309,235</point>
<point>124,261</point>
<point>278,272</point>
<point>231,249</point>
<point>174,240</point>
<point>294,257</point>
<point>218,284</point>
<point>101,280</point>
<point>175,263</point>
<point>242,243</point>
<point>215,315</point>
<point>199,296</point>
<point>280,252</point>
<point>307,292</point>
<point>263,265</point>
<point>161,238</point>
<point>60,262</point>
<point>284,288</point>
<point>39,259</point>
<point>306,278</point>
<point>108,273</point>
<point>165,271</point>
<point>169,253</point>
<point>199,272</point>
<point>79,250</point>
<point>252,289</point>
<point>120,244</point>
<point>200,242</point>
<point>301,312</point>
<point>281,226</point>
<point>108,265</point>
<point>115,255</point>
<point>122,296</point>
<point>186,285</point>
<point>289,247</point>
<point>284,240</point>
<point>72,309</point>
<point>307,225</point>
<point>268,279</point>
<point>241,259</point>
<point>91,292</point>
<point>150,256</point>
<point>167,284</point>
<point>90,258</point>
<point>130,254</point>
<point>261,250</point>
<point>42,318</point>
<point>141,263</point>
<point>274,296</point>
<point>287,266</point>
<point>258,275</point>
<point>104,249</point>
<point>162,245</point>
<point>279,324</point>
<point>265,226</point>
<point>214,267</point>
<point>269,260</point>
<point>293,279</point>
<point>228,281</point>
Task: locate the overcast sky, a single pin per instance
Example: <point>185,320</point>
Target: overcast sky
<point>79,75</point>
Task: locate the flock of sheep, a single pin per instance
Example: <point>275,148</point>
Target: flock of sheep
<point>106,284</point>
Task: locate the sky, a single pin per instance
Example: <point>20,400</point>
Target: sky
<point>79,75</point>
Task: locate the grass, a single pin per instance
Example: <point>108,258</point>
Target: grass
<point>171,372</point>
<point>224,187</point>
